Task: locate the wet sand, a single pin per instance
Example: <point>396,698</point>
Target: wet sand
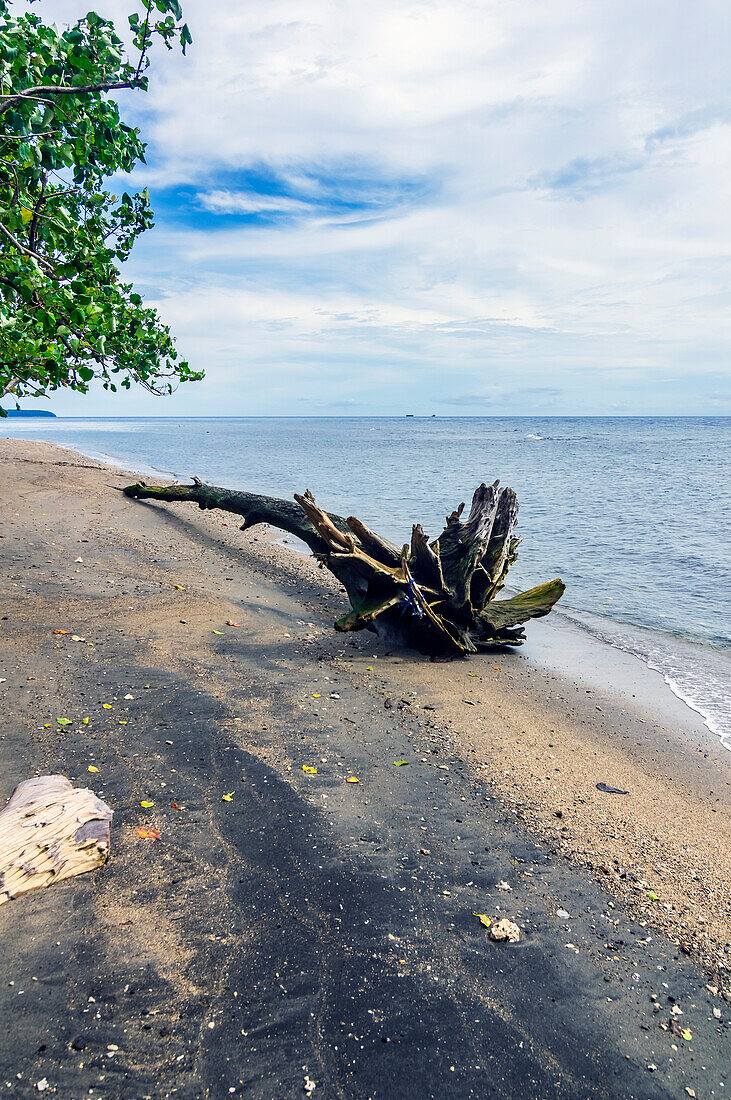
<point>310,928</point>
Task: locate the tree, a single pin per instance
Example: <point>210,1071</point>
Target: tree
<point>437,597</point>
<point>66,314</point>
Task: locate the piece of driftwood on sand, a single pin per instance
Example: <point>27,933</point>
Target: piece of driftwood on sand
<point>438,597</point>
<point>50,831</point>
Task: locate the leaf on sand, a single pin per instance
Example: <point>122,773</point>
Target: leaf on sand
<point>85,721</point>
<point>310,771</point>
<point>122,722</point>
<point>606,789</point>
<point>217,632</point>
<point>107,706</point>
<point>64,721</point>
<point>145,804</point>
<point>495,668</point>
<point>687,1034</point>
<point>179,587</point>
<point>400,763</point>
<point>230,622</point>
<point>352,779</point>
<point>227,797</point>
<point>483,919</point>
<point>369,668</point>
<point>147,833</point>
<point>91,768</point>
<point>62,632</point>
<point>653,896</point>
<point>316,695</point>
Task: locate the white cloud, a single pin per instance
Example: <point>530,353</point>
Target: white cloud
<point>534,187</point>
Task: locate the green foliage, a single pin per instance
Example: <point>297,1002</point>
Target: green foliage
<point>66,314</point>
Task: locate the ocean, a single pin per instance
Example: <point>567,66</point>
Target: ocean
<point>632,513</point>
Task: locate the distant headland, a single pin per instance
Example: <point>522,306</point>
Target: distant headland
<point>29,412</point>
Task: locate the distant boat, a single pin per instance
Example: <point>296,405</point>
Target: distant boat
<point>409,414</point>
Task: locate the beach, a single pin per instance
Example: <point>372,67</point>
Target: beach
<point>312,929</point>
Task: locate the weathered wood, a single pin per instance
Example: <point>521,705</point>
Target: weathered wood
<point>437,597</point>
<point>50,831</point>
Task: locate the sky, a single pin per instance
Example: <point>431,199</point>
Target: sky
<point>468,207</point>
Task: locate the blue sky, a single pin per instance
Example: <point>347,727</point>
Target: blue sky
<point>472,207</point>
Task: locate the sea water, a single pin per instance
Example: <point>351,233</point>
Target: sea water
<point>632,513</point>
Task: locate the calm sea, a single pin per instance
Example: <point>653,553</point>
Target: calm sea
<point>632,513</point>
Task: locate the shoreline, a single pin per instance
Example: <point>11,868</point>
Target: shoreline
<point>504,755</point>
<point>562,624</point>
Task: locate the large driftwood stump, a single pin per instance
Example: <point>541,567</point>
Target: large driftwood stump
<point>438,597</point>
<point>50,831</point>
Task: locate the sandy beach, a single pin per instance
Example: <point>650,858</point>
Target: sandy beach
<point>309,929</point>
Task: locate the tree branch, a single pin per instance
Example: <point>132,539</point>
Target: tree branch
<point>49,89</point>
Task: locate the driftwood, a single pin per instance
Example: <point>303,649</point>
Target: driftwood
<point>438,597</point>
<point>50,831</point>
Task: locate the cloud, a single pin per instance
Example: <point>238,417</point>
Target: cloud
<point>410,197</point>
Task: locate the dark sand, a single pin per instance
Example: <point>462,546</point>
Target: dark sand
<point>311,929</point>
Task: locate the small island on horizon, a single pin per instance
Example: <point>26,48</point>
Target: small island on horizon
<point>29,412</point>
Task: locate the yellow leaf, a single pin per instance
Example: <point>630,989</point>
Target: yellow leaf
<point>179,587</point>
<point>483,919</point>
<point>85,721</point>
<point>352,779</point>
<point>122,722</point>
<point>25,215</point>
<point>107,706</point>
<point>687,1034</point>
<point>46,725</point>
<point>91,768</point>
<point>369,668</point>
<point>218,632</point>
<point>227,797</point>
<point>309,770</point>
<point>316,695</point>
<point>146,805</point>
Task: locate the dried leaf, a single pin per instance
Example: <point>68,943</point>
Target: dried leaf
<point>107,706</point>
<point>62,632</point>
<point>352,779</point>
<point>227,797</point>
<point>309,770</point>
<point>230,622</point>
<point>145,804</point>
<point>316,695</point>
<point>179,587</point>
<point>147,833</point>
<point>483,919</point>
<point>91,768</point>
